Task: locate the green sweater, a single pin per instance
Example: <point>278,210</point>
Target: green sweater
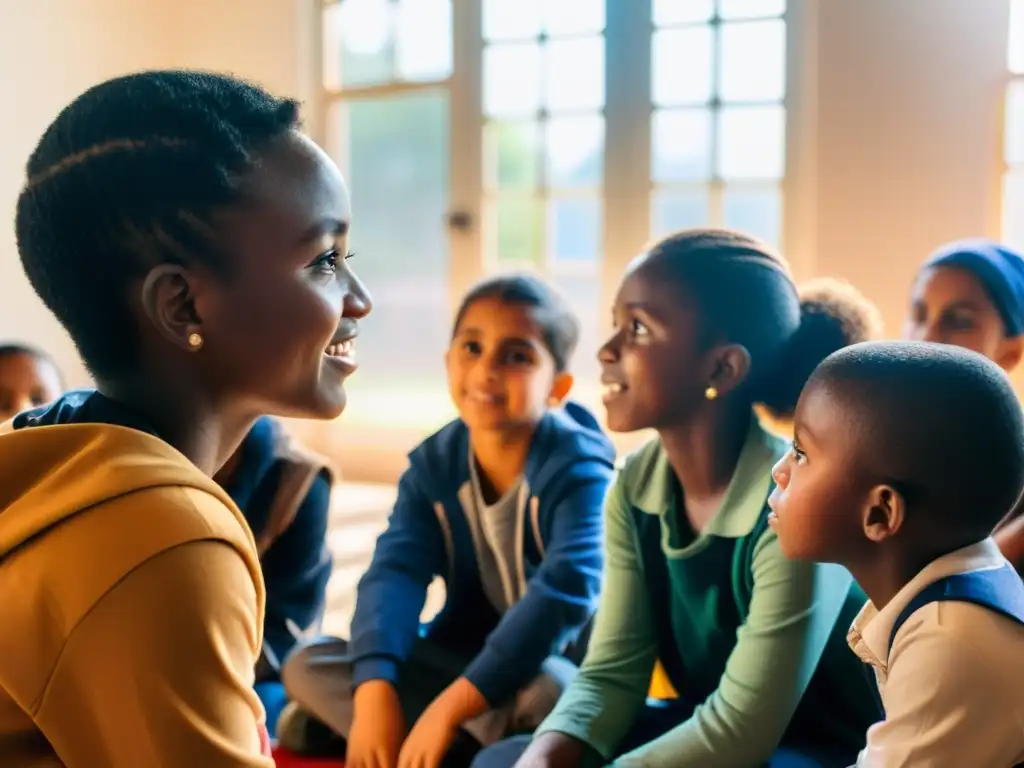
<point>746,633</point>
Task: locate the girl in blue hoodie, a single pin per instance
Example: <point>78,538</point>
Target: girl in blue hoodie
<point>504,504</point>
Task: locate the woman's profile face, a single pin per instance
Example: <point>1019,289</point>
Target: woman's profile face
<point>280,330</point>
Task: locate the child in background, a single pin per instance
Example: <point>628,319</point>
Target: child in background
<point>971,293</point>
<point>836,315</point>
<point>28,378</point>
<point>505,505</point>
<point>192,243</point>
<point>753,643</point>
<point>905,457</point>
<point>284,492</point>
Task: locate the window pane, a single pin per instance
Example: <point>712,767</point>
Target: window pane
<point>752,66</point>
<point>424,39</point>
<point>674,209</point>
<point>515,230</point>
<point>574,230</point>
<point>1014,139</point>
<point>750,9</point>
<point>575,151</point>
<point>364,31</point>
<point>511,19</point>
<point>574,74</point>
<point>668,12</point>
<point>1016,48</point>
<point>681,66</point>
<point>756,211</point>
<point>573,17</point>
<point>511,155</point>
<point>1013,209</point>
<point>681,144</point>
<point>582,289</point>
<point>512,79</point>
<point>751,143</point>
<point>396,162</point>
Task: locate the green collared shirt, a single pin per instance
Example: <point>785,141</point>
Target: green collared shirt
<point>747,666</point>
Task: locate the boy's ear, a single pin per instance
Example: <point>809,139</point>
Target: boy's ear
<point>884,511</point>
<point>560,388</point>
<point>1010,352</point>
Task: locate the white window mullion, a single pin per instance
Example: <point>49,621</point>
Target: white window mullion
<point>466,141</point>
<point>627,164</point>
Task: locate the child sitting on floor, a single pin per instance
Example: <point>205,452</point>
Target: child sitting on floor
<point>753,643</point>
<point>505,505</point>
<point>971,293</point>
<point>284,491</point>
<point>905,456</point>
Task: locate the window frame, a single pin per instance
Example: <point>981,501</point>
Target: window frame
<point>627,185</point>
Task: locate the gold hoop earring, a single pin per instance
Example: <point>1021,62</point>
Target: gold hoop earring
<point>710,393</point>
<point>195,341</point>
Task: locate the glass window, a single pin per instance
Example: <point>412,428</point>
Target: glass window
<point>718,86</point>
<point>395,158</point>
<point>373,42</point>
<point>543,98</point>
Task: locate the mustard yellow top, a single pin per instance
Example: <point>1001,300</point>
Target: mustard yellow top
<point>132,606</point>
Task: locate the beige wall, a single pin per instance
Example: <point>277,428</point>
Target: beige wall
<point>895,119</point>
<point>51,50</point>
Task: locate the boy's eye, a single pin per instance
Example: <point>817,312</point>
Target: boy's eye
<point>472,347</point>
<point>957,321</point>
<point>518,357</point>
<point>798,454</point>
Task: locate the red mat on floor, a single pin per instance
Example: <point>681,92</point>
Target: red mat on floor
<point>285,759</point>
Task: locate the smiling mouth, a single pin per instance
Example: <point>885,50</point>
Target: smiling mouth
<point>484,398</point>
<point>611,390</point>
<point>342,349</point>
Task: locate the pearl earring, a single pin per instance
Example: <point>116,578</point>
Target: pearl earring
<point>195,341</point>
<point>710,393</point>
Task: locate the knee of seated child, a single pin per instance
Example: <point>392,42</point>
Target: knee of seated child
<point>536,700</point>
<point>297,672</point>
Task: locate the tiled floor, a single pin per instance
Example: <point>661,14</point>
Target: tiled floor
<point>359,513</point>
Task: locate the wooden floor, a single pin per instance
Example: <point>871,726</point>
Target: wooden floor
<point>359,513</point>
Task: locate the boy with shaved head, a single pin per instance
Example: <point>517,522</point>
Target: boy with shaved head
<point>905,457</point>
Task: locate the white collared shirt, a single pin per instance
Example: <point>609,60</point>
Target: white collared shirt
<point>953,683</point>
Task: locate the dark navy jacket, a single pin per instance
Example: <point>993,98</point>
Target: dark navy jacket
<point>568,469</point>
<point>295,560</point>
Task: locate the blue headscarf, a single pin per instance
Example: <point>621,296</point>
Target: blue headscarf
<point>1000,271</point>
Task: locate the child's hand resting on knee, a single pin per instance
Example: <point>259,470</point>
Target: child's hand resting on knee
<point>378,727</point>
<point>436,729</point>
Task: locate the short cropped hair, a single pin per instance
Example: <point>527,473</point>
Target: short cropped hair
<point>942,423</point>
<point>127,177</point>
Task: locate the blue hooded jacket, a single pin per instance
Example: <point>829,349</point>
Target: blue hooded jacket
<point>567,471</point>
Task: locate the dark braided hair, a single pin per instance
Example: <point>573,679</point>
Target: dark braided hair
<point>747,296</point>
<point>129,176</point>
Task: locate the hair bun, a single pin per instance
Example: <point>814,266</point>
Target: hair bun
<point>833,315</point>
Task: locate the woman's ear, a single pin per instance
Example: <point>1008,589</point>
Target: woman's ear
<point>883,513</point>
<point>169,302</point>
